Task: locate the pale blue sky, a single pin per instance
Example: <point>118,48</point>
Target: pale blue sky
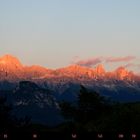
<point>53,32</point>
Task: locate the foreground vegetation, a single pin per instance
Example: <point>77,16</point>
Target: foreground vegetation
<point>90,113</point>
<point>93,113</point>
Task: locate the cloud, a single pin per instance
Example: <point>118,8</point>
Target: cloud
<point>94,61</point>
<point>89,62</point>
<point>132,65</point>
<point>136,65</point>
<point>119,59</point>
<point>129,65</point>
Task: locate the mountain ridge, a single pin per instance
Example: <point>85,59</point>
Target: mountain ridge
<point>12,69</point>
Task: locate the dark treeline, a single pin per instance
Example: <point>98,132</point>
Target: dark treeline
<point>8,121</point>
<point>90,113</point>
<point>94,113</point>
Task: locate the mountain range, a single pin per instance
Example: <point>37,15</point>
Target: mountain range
<point>36,90</point>
<point>11,69</point>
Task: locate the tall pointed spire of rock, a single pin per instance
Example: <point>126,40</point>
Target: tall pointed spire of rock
<point>100,70</point>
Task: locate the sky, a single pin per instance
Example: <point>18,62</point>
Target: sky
<point>58,33</point>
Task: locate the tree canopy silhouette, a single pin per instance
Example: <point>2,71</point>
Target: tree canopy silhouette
<point>93,112</point>
<point>90,106</point>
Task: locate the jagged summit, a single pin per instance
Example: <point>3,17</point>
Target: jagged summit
<point>75,69</point>
<point>12,68</point>
<point>10,61</point>
<point>100,70</point>
<point>121,73</point>
<point>121,69</point>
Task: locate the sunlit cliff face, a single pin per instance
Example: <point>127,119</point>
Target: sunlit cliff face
<point>10,62</point>
<point>100,71</point>
<point>11,68</point>
<point>121,73</point>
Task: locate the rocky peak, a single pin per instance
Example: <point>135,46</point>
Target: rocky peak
<point>100,70</point>
<point>77,69</point>
<point>10,61</point>
<point>122,73</point>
